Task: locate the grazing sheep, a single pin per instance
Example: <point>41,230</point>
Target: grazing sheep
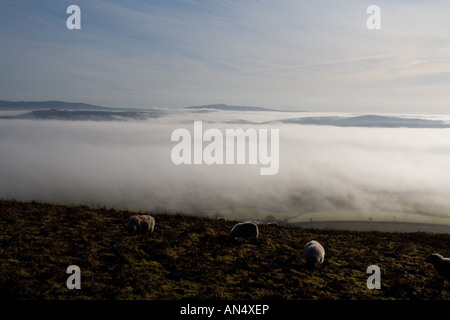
<point>314,253</point>
<point>245,230</point>
<point>141,224</point>
<point>441,264</point>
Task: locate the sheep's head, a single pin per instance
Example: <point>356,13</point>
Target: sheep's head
<point>132,230</point>
<point>312,264</point>
<point>434,257</point>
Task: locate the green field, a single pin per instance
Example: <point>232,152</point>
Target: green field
<point>192,257</point>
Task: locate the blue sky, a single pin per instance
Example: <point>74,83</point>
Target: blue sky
<point>288,54</point>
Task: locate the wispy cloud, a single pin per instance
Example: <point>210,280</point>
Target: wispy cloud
<point>176,53</point>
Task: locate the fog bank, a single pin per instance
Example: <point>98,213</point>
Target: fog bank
<point>324,172</point>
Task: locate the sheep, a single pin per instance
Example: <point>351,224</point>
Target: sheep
<point>314,253</point>
<point>441,264</point>
<point>222,219</point>
<point>141,224</point>
<point>245,230</point>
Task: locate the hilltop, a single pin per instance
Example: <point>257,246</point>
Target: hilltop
<point>45,105</point>
<point>226,107</point>
<point>73,111</point>
<point>193,257</point>
<point>369,121</point>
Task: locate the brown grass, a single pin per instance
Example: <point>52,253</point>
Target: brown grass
<point>193,257</point>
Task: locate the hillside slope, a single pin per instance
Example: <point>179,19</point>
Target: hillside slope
<point>192,257</point>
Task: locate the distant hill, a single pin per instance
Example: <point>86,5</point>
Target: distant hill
<point>60,110</point>
<point>369,121</point>
<point>92,115</point>
<point>232,108</point>
<point>40,105</point>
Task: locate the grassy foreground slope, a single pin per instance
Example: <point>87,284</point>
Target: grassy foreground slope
<point>192,257</point>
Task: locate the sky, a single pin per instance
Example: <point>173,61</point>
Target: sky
<point>286,54</point>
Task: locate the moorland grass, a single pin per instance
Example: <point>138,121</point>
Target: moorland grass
<point>192,257</point>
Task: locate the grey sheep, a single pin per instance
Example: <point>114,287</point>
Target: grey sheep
<point>441,264</point>
<point>245,230</point>
<point>314,253</point>
<point>141,224</point>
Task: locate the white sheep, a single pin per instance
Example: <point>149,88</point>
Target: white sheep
<point>245,230</point>
<point>314,253</point>
<point>441,264</point>
<point>141,224</point>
